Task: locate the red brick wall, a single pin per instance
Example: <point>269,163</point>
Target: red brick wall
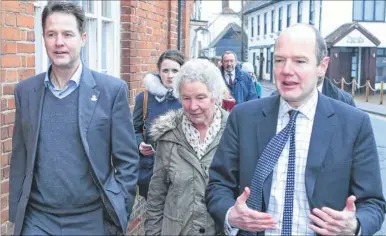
<point>17,63</point>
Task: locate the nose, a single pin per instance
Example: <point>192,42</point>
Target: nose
<point>193,105</point>
<point>287,69</point>
<point>171,74</point>
<point>59,40</point>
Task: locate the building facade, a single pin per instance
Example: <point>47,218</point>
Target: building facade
<point>124,39</point>
<point>355,33</point>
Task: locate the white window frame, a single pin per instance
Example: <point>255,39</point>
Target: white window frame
<point>95,43</point>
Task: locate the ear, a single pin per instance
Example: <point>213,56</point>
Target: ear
<point>322,68</point>
<point>84,38</point>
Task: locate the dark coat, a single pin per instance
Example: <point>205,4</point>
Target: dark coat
<point>155,108</point>
<point>243,88</point>
<point>107,135</point>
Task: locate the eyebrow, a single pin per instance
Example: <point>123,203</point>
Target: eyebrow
<point>296,57</point>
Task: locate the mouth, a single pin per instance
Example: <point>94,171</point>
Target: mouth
<point>289,84</point>
<point>196,115</point>
<point>60,53</point>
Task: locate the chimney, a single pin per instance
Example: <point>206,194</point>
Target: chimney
<point>225,4</point>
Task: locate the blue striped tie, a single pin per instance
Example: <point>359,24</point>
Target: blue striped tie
<point>265,166</point>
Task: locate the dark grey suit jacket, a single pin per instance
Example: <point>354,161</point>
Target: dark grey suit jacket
<point>342,160</point>
<point>107,135</point>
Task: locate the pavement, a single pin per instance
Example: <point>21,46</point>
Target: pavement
<point>368,107</point>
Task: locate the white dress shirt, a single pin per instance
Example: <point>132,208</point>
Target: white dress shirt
<point>226,74</point>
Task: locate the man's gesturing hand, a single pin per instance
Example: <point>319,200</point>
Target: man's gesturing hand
<point>331,222</point>
<point>244,218</point>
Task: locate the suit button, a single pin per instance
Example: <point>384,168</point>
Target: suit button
<point>202,230</point>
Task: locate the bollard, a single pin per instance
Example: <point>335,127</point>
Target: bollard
<point>342,83</point>
<point>367,90</point>
<point>353,88</point>
<point>381,92</point>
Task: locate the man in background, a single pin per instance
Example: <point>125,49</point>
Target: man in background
<point>240,83</point>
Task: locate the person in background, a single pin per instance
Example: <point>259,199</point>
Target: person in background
<point>159,100</point>
<point>248,67</point>
<point>239,82</point>
<point>74,163</point>
<point>186,142</point>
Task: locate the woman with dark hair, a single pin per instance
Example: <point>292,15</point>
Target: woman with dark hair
<point>156,100</point>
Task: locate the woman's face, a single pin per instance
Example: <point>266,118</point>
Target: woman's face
<point>168,69</point>
<point>197,102</point>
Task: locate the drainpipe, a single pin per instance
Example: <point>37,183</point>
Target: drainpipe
<point>179,24</point>
<point>242,31</point>
<point>320,16</point>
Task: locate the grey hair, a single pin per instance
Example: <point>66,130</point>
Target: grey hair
<point>200,70</point>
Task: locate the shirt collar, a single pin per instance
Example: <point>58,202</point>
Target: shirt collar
<point>75,77</point>
<point>308,109</point>
<point>320,87</point>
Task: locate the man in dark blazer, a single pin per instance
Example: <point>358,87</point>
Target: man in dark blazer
<point>74,162</point>
<point>240,83</point>
<point>337,189</point>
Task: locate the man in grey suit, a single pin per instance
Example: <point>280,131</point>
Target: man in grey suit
<point>297,163</point>
<point>74,163</point>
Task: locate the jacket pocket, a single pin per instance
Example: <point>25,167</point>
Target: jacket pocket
<point>98,123</point>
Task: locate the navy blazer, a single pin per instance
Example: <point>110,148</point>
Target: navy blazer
<point>342,160</point>
<point>107,135</point>
<point>243,88</point>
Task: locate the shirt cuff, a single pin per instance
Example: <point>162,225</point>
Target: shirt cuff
<point>228,229</point>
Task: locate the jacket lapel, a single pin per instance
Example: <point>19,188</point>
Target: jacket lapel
<point>36,97</point>
<point>322,130</point>
<point>88,99</point>
<point>266,130</point>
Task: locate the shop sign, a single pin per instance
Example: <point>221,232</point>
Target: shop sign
<point>355,39</point>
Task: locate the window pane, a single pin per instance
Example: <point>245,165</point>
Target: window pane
<point>252,26</point>
<point>358,10</point>
<point>380,10</point>
<point>106,8</point>
<point>84,53</point>
<point>369,11</point>
<point>106,30</point>
<point>90,46</point>
<point>312,5</point>
<point>88,6</point>
<point>289,11</point>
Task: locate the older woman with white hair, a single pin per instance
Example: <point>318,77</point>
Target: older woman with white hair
<point>186,142</point>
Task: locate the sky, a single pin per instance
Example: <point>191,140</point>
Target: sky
<point>213,7</point>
